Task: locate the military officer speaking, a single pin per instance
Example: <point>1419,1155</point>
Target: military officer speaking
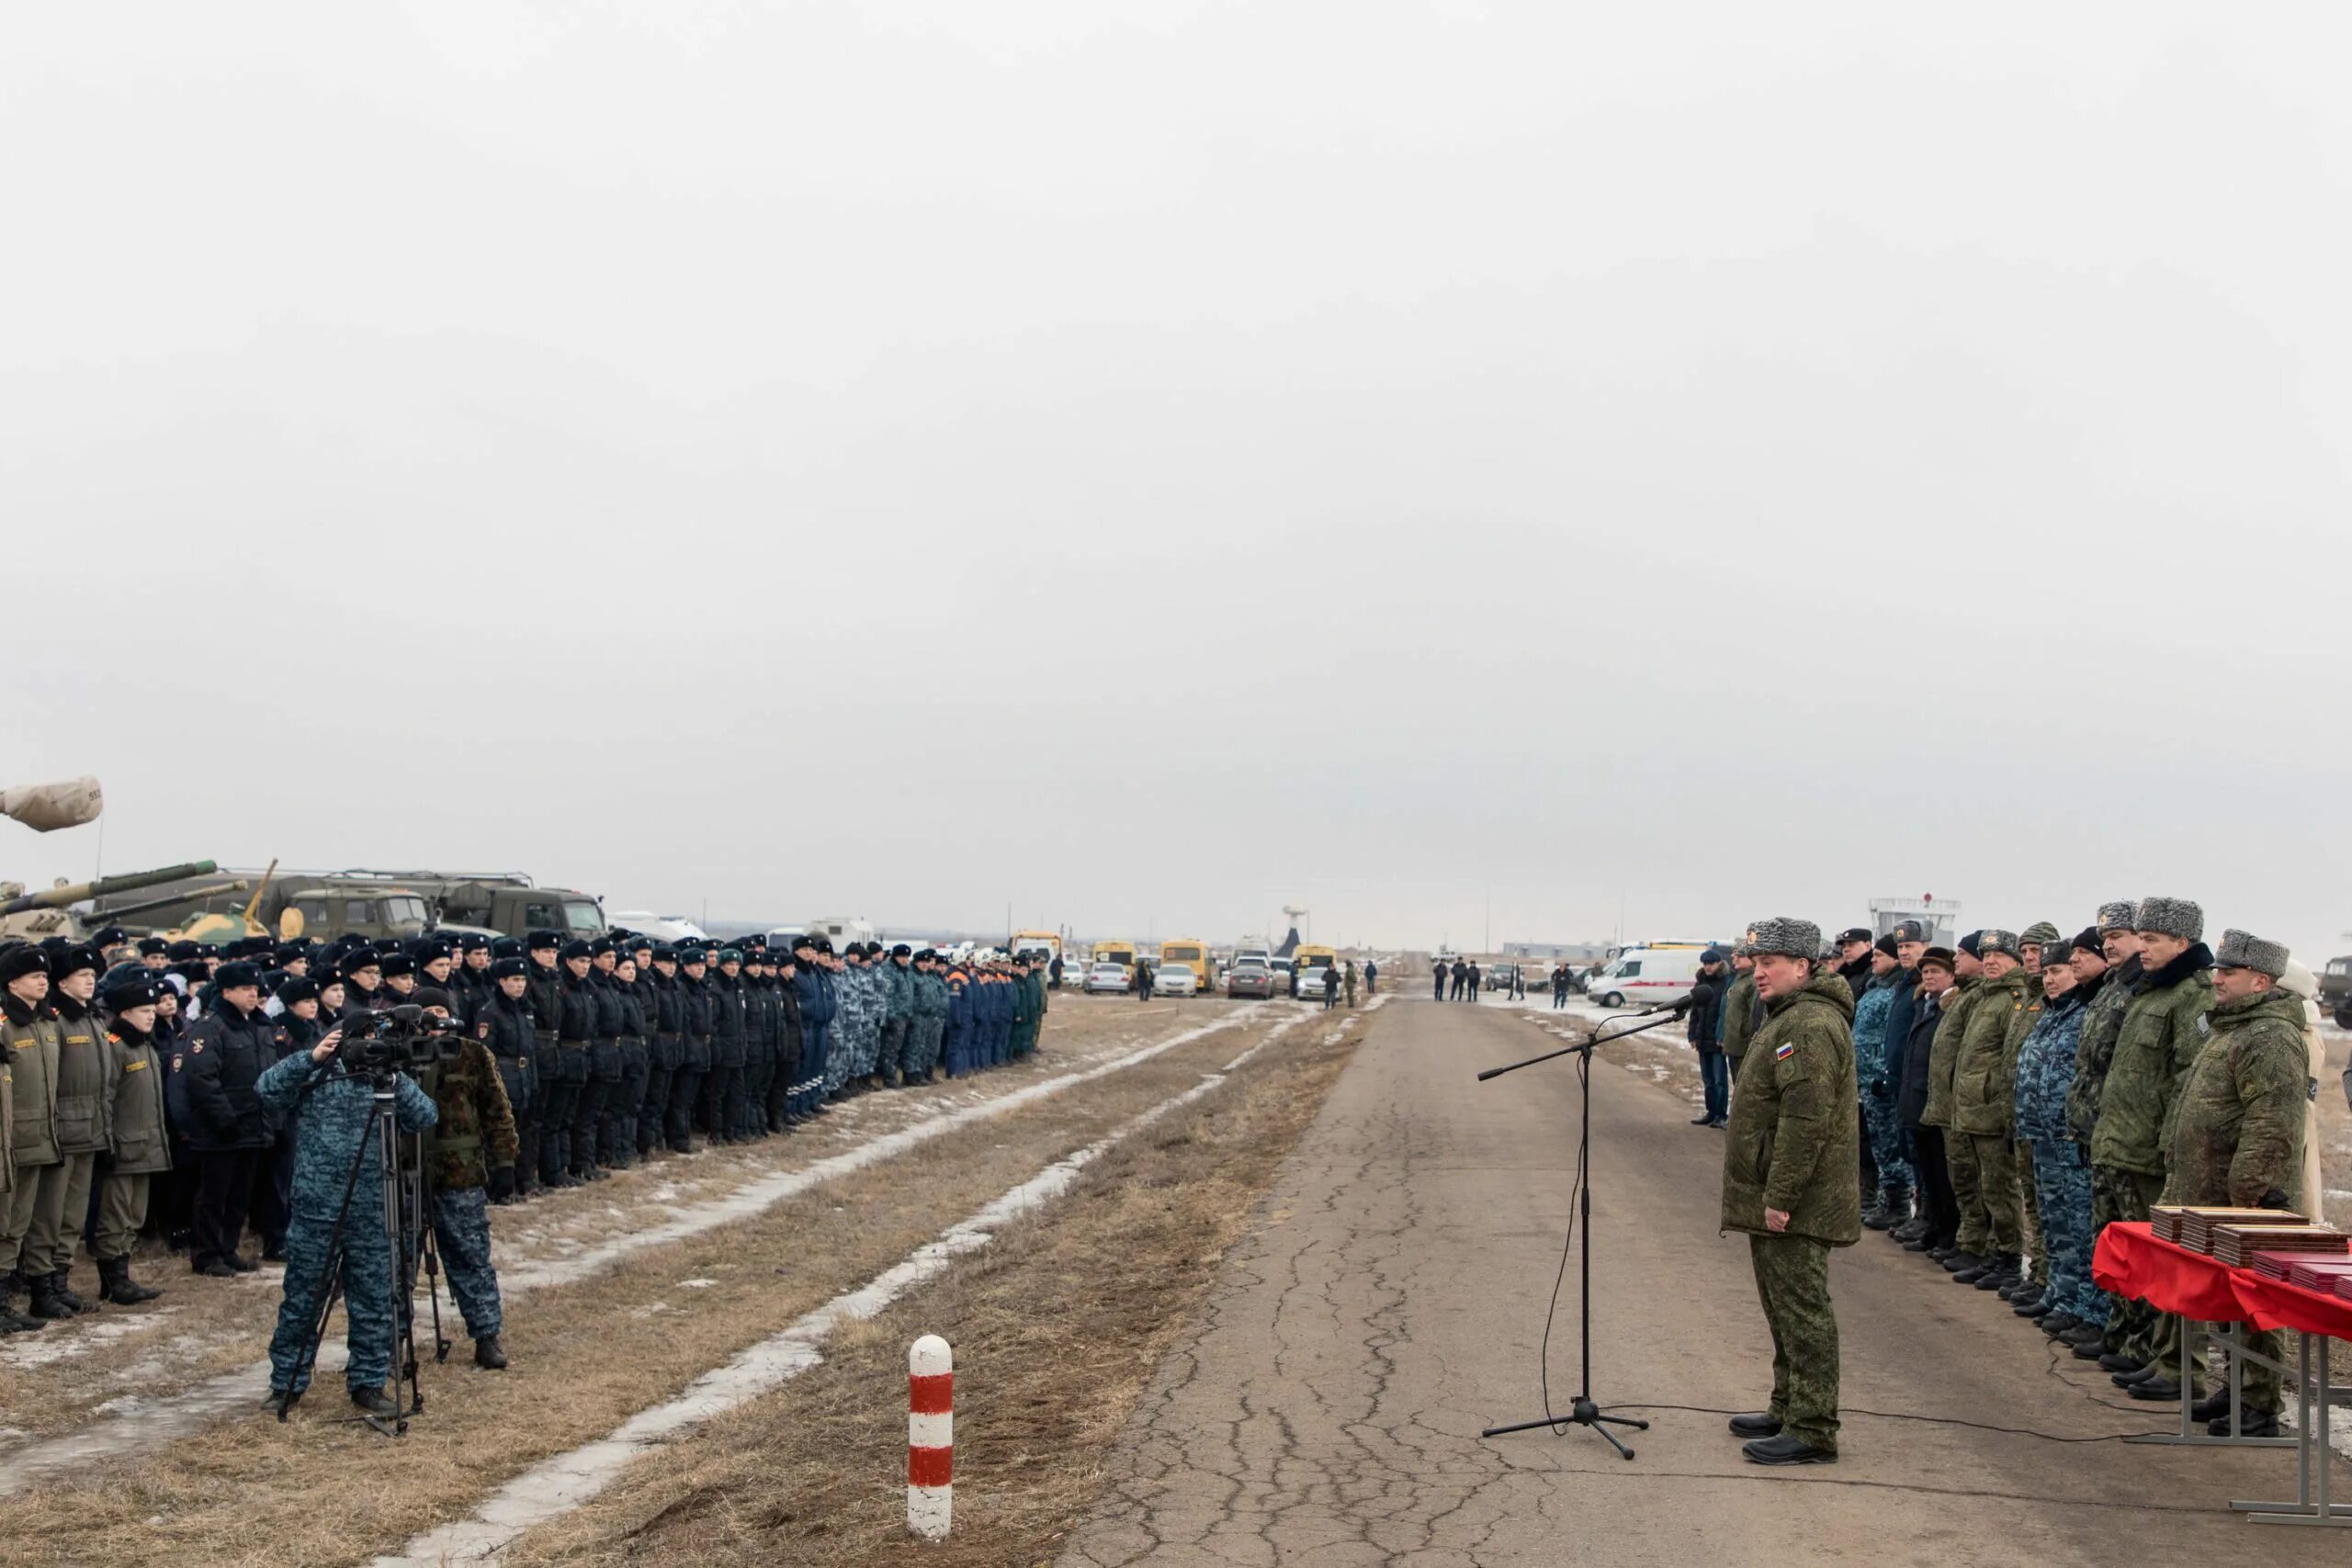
<point>1793,1181</point>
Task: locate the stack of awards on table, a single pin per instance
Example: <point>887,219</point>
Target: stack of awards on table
<point>2314,1273</point>
<point>2240,1246</point>
<point>2197,1226</point>
<point>2164,1221</point>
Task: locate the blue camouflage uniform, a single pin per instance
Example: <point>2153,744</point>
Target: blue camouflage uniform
<point>1876,1083</point>
<point>2061,1170</point>
<point>931,1017</point>
<point>897,1020</point>
<point>331,1115</point>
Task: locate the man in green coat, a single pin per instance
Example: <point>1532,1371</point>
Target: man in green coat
<point>1982,1094</point>
<point>2237,1136</point>
<point>140,1142</point>
<point>1740,1009</point>
<point>35,1191</point>
<point>2165,1028</point>
<point>1969,1244</point>
<point>1792,1181</point>
<point>2102,1021</point>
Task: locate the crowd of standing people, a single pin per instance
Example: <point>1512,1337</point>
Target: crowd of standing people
<point>2001,1101</point>
<point>187,1091</point>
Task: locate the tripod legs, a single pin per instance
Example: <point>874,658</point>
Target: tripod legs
<point>1583,1413</point>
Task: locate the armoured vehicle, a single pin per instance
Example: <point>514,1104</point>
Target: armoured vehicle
<point>31,916</point>
<point>390,905</point>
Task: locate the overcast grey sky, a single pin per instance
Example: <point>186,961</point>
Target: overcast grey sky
<point>1151,463</point>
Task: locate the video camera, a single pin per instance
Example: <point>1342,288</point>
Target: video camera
<point>403,1036</point>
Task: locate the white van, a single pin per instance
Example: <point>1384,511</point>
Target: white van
<point>1646,977</point>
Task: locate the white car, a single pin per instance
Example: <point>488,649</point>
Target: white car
<point>1102,977</point>
<point>1174,980</point>
<point>1310,983</point>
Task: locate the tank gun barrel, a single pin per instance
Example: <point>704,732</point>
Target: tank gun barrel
<point>130,882</point>
<point>211,890</point>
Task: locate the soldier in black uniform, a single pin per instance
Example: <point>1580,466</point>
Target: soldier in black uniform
<point>507,1027</point>
<point>629,1095</point>
<point>698,1007</point>
<point>299,1008</point>
<point>787,1044</point>
<point>549,1145</point>
<point>363,977</point>
<point>593,1123</point>
<point>576,1023</point>
<point>722,1092</point>
<point>471,981</point>
<point>657,986</point>
<point>226,1053</point>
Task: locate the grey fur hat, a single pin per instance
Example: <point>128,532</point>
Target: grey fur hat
<point>2116,917</point>
<point>2243,950</point>
<point>1785,934</point>
<point>2173,917</point>
<point>1992,939</point>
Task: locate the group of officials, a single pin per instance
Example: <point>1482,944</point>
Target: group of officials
<point>220,1084</point>
<point>2003,1098</point>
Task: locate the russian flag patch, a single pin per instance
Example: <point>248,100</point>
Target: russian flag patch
<point>1783,1052</point>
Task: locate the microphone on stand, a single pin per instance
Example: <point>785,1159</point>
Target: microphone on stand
<point>1681,1007</point>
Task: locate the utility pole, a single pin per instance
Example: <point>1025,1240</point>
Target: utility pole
<point>1489,945</point>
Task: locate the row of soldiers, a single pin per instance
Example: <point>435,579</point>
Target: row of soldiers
<point>2022,1089</point>
<point>606,1052</point>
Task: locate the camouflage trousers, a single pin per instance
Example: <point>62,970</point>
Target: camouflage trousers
<point>2125,1195</point>
<point>2030,1230</point>
<point>367,1292</point>
<point>2062,1179</point>
<point>1998,1222</point>
<point>922,1053</point>
<point>1792,1282</point>
<point>461,1235</point>
<point>890,1056</point>
<point>1885,1126</point>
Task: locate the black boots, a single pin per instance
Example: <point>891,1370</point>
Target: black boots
<point>1786,1449</point>
<point>372,1401</point>
<point>48,1303</point>
<point>1763,1424</point>
<point>279,1401</point>
<point>1894,1209</point>
<point>1991,1266</point>
<point>489,1355</point>
<point>115,1285</point>
<point>11,1320</point>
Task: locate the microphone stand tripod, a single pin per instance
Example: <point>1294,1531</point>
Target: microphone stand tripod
<point>1582,1411</point>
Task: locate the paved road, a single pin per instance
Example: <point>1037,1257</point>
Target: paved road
<point>1388,1307</point>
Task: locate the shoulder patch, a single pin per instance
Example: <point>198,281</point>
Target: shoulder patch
<point>2204,1027</point>
<point>1785,1051</point>
<point>196,1047</point>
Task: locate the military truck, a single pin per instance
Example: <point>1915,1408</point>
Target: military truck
<point>2335,991</point>
<point>390,905</point>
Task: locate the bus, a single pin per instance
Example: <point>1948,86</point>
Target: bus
<point>1120,951</point>
<point>1030,942</point>
<point>1193,954</point>
<point>1304,958</point>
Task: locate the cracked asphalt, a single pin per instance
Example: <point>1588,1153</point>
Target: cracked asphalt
<point>1387,1305</point>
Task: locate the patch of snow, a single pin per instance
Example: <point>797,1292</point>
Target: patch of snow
<point>698,1284</point>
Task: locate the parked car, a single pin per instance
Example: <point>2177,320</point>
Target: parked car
<point>1174,980</point>
<point>1250,978</point>
<point>1646,977</point>
<point>1105,977</point>
<point>1310,981</point>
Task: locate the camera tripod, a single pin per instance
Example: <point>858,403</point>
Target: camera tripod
<point>408,1232</point>
<point>1582,1411</point>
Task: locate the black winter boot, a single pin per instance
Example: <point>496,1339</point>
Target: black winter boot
<point>489,1354</point>
<point>45,1302</point>
<point>115,1285</point>
<point>56,1282</point>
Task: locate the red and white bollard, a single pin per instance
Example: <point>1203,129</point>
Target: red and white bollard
<point>930,1437</point>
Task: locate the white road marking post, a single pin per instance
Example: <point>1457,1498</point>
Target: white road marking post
<point>930,1437</point>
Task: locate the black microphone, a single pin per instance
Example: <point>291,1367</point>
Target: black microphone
<point>1682,1006</point>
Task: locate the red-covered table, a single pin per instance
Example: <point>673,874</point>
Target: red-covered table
<point>2133,1262</point>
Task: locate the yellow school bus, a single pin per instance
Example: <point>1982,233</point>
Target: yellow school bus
<point>1193,954</point>
<point>1121,953</point>
<point>1304,958</point>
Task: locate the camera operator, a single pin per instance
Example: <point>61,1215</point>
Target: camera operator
<point>474,1137</point>
<point>330,1111</point>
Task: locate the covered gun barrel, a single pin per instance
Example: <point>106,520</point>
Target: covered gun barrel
<point>131,882</point>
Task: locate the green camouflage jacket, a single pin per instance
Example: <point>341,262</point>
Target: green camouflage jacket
<point>1983,1068</point>
<point>2101,1022</point>
<point>476,1120</point>
<point>2238,1131</point>
<point>1958,1003</point>
<point>1794,1143</point>
<point>1739,1014</point>
<point>2164,1029</point>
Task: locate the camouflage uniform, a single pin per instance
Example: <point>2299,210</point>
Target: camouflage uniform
<point>1739,1020</point>
<point>898,1018</point>
<point>856,1058</point>
<point>1874,1086</point>
<point>2062,1175</point>
<point>475,1134</point>
<point>929,1020</point>
<point>2238,1131</point>
<point>333,1125</point>
<point>1793,1145</point>
<point>1979,1109</point>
